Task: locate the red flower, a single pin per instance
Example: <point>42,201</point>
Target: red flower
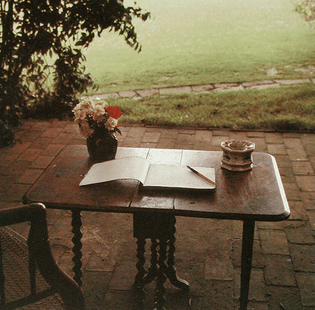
<point>114,112</point>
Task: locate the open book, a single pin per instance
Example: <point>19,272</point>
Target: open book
<point>150,175</point>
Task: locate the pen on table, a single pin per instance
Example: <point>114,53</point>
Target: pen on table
<point>201,175</point>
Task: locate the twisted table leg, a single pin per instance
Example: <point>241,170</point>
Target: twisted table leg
<point>159,301</point>
<point>77,245</point>
<point>139,280</point>
<point>153,269</point>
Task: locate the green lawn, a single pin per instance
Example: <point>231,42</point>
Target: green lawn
<point>207,41</point>
<point>283,108</point>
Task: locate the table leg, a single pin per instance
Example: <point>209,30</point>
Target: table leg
<point>139,280</point>
<point>246,265</point>
<point>153,269</point>
<point>170,270</point>
<point>77,245</point>
<point>159,301</point>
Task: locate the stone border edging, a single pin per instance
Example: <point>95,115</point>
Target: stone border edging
<point>200,89</point>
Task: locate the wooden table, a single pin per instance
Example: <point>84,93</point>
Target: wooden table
<point>255,195</point>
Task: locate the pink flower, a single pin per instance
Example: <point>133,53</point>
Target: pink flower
<point>114,112</point>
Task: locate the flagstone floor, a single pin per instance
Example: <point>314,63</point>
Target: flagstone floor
<point>283,275</point>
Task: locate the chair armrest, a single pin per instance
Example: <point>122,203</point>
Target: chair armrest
<point>39,248</point>
<point>33,212</point>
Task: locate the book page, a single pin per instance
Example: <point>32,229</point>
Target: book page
<point>172,176</point>
<point>117,169</point>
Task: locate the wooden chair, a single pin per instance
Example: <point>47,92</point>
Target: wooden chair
<point>29,275</point>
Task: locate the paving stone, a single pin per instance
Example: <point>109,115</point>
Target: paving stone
<point>260,144</point>
<point>286,171</point>
<point>202,145</point>
<point>124,274</point>
<point>183,138</point>
<point>130,142</point>
<point>238,135</point>
<point>276,149</point>
<point>151,145</point>
<point>18,148</point>
<point>203,135</point>
<point>292,82</point>
<point>274,137</point>
<point>255,83</point>
<point>17,168</point>
<point>29,155</point>
<point>291,190</point>
<point>297,210</point>
<point>257,306</point>
<point>136,132</point>
<point>292,143</point>
<point>257,289</point>
<point>283,265</point>
<point>311,216</point>
<point>218,295</point>
<point>64,138</point>
<point>225,85</point>
<point>175,90</point>
<point>148,92</point>
<point>42,162</point>
<point>282,161</point>
<point>310,149</point>
<point>216,140</point>
<point>29,135</point>
<point>7,159</point>
<point>202,88</point>
<point>218,265</point>
<point>127,94</point>
<point>302,167</point>
<point>266,86</point>
<point>306,183</point>
<point>306,283</point>
<point>256,134</point>
<point>151,137</point>
<point>258,259</point>
<point>51,132</point>
<point>40,125</point>
<point>166,143</point>
<point>103,257</point>
<point>30,176</point>
<point>297,154</point>
<point>169,133</point>
<point>274,242</point>
<point>53,149</point>
<point>15,193</point>
<point>303,257</point>
<point>95,286</point>
<point>118,300</point>
<point>284,298</point>
<point>299,232</point>
<point>226,89</point>
<point>307,138</point>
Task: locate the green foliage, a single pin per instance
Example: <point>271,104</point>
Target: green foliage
<point>32,31</point>
<point>306,9</point>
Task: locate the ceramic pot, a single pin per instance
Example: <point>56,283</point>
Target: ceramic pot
<point>103,146</point>
<point>237,155</point>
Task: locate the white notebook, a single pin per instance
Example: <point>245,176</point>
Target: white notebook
<point>150,175</point>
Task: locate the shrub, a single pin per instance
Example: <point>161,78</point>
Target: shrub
<point>31,32</point>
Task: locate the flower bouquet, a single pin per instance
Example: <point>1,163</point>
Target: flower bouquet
<point>98,122</point>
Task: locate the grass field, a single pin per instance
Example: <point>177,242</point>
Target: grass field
<point>189,42</point>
